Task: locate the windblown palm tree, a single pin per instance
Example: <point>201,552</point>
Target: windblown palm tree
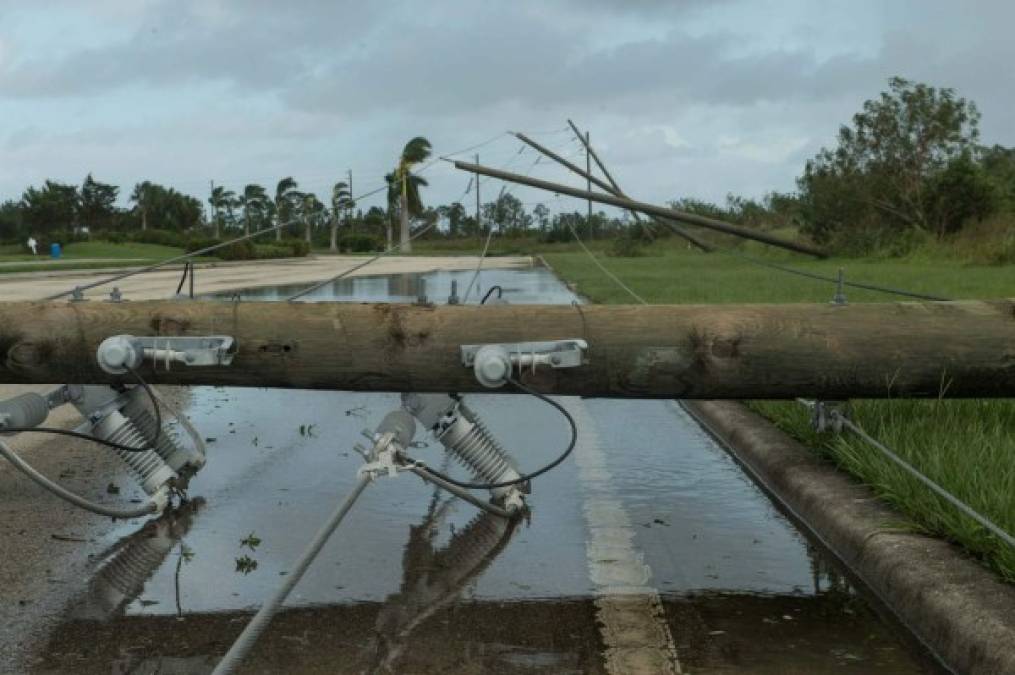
<point>312,211</point>
<point>406,186</point>
<point>252,200</point>
<point>285,194</point>
<point>140,196</point>
<point>341,201</point>
<point>220,198</point>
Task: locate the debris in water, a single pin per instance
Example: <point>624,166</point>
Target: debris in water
<point>246,564</point>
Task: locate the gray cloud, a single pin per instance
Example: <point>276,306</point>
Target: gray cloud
<point>694,97</point>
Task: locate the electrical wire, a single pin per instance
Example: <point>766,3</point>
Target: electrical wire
<point>525,477</point>
<point>496,287</point>
<point>134,512</point>
<point>349,271</point>
<point>245,642</point>
<point>102,441</point>
<point>605,271</point>
<point>915,473</point>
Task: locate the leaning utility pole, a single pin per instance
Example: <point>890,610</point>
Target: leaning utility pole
<point>825,351</point>
<point>479,207</point>
<point>611,188</point>
<point>352,204</point>
<point>588,171</point>
<point>648,209</point>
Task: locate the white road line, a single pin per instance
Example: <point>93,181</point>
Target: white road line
<point>630,615</point>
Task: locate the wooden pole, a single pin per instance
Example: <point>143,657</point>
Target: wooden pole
<point>649,209</point>
<point>913,349</point>
<point>676,229</point>
<point>610,187</point>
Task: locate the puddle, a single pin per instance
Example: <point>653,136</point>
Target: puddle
<point>416,582</point>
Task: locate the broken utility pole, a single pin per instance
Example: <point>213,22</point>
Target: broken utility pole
<point>676,229</point>
<point>825,351</point>
<point>649,209</point>
<point>612,189</point>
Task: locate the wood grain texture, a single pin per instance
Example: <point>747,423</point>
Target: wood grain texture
<point>965,349</point>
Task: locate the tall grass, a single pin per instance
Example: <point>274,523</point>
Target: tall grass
<point>967,446</point>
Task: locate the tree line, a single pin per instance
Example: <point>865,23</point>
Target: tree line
<point>908,166</point>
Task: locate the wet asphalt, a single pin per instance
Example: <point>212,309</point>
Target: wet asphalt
<point>650,507</point>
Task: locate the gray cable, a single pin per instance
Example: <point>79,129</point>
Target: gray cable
<point>601,267</point>
<point>479,266</point>
<point>821,277</point>
<point>67,495</point>
<point>245,642</point>
<point>915,473</point>
<point>460,492</point>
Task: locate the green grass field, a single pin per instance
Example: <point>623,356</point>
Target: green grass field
<point>966,446</point>
<point>84,255</point>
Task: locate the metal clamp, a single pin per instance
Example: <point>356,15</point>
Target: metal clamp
<point>119,353</point>
<point>828,415</point>
<point>493,363</point>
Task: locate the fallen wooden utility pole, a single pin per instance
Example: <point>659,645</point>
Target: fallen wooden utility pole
<point>609,187</point>
<point>913,349</point>
<point>649,209</point>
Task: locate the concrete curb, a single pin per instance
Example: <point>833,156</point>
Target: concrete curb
<point>958,609</point>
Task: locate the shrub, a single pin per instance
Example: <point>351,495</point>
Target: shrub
<point>359,243</point>
<point>160,237</point>
<point>297,248</point>
<point>113,236</point>
<point>625,247</point>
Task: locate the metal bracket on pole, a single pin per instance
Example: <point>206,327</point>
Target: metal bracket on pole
<point>493,363</point>
<point>119,353</point>
<point>840,294</point>
<point>828,415</point>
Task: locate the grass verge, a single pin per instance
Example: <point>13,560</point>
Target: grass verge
<point>967,446</point>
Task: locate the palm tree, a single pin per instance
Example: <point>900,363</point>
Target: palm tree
<point>407,185</point>
<point>341,201</point>
<point>220,198</point>
<point>312,209</point>
<point>140,196</point>
<point>252,200</point>
<point>285,193</point>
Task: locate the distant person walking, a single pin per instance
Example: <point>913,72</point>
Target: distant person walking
<point>32,244</point>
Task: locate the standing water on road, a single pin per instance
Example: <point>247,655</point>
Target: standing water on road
<point>648,550</point>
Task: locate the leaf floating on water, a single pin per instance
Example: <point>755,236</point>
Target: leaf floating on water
<point>251,541</point>
<point>246,564</point>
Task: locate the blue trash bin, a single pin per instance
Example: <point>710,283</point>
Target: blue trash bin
<point>54,251</point>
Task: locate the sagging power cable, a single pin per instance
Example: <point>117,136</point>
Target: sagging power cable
<point>839,418</point>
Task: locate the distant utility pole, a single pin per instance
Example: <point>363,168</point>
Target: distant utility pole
<point>588,170</point>
<point>479,220</point>
<point>351,204</point>
<point>212,209</point>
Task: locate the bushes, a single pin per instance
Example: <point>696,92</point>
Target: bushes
<point>248,250</point>
<point>626,247</point>
<point>359,243</point>
<point>161,237</point>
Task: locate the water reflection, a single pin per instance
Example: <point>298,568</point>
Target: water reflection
<point>434,576</point>
<point>132,561</point>
<point>525,286</point>
<point>741,589</point>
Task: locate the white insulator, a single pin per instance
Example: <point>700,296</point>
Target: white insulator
<point>150,469</point>
<point>469,441</point>
<point>185,462</point>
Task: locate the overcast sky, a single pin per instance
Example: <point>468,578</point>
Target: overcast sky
<point>690,98</point>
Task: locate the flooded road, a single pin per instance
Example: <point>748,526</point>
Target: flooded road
<point>647,551</point>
